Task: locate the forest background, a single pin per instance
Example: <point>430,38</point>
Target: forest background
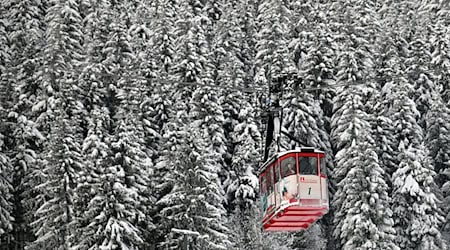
<point>103,145</point>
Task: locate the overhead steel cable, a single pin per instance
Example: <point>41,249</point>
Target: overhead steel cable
<point>255,89</point>
<point>163,85</point>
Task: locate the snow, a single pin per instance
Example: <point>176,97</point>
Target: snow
<point>185,232</point>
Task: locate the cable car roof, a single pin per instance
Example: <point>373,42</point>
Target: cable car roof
<point>280,154</point>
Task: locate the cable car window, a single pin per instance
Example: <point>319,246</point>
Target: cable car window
<point>323,167</point>
<point>288,167</point>
<point>308,165</point>
<point>277,172</point>
<point>263,184</point>
<point>269,179</point>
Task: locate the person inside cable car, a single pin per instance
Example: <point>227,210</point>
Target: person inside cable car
<point>308,165</point>
<point>290,169</point>
<point>287,169</point>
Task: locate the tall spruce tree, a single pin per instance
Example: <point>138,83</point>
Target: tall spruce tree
<point>193,207</point>
<point>272,54</point>
<point>242,193</point>
<point>173,137</point>
<point>26,34</point>
<point>437,141</point>
<point>117,214</point>
<point>445,201</point>
<point>6,188</point>
<point>417,216</point>
<point>63,123</point>
<point>365,218</point>
<point>62,161</point>
<point>437,136</point>
<point>359,186</point>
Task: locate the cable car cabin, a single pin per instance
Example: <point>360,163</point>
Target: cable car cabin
<point>294,189</point>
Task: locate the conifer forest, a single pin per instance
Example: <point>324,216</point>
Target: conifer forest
<point>141,124</point>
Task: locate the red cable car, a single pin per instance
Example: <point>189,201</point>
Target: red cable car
<point>294,189</point>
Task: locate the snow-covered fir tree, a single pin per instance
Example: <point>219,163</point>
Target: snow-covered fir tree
<point>193,207</point>
<point>440,60</point>
<point>62,123</point>
<point>26,25</point>
<point>242,193</point>
<point>416,212</point>
<point>365,218</point>
<point>61,164</point>
<point>352,134</point>
<point>388,72</point>
<point>6,218</point>
<point>417,215</point>
<point>6,189</point>
<point>120,207</point>
<point>437,135</point>
<point>272,54</point>
<point>437,142</point>
<point>445,201</point>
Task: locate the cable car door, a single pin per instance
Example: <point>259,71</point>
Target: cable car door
<point>309,181</point>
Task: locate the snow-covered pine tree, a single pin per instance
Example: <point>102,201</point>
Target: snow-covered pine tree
<point>95,196</point>
<point>119,212</point>
<point>26,42</point>
<point>445,202</point>
<point>173,136</point>
<point>6,189</point>
<point>61,121</point>
<point>388,72</point>
<point>158,54</point>
<point>353,179</point>
<point>199,64</point>
<point>185,66</point>
<point>365,218</point>
<point>92,82</point>
<point>243,192</point>
<point>417,61</point>
<point>437,136</point>
<point>205,107</point>
<point>314,49</point>
<point>144,38</point>
<point>62,161</point>
<point>419,74</point>
<point>352,136</point>
<point>190,45</point>
<point>163,39</point>
<point>193,208</point>
<point>440,58</point>
<point>272,54</point>
<point>349,115</point>
<point>416,213</point>
<point>90,193</point>
<point>5,164</point>
<point>128,148</point>
<point>438,144</point>
<point>26,39</point>
<point>233,66</point>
